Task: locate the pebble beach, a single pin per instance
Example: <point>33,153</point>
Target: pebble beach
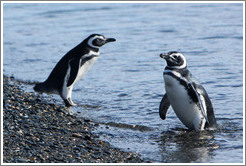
<point>36,130</point>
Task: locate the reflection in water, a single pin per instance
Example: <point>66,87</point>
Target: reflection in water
<point>185,146</point>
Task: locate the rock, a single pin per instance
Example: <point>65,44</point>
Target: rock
<point>36,130</point>
<point>77,135</point>
<point>21,160</point>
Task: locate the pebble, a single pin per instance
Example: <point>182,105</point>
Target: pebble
<point>35,130</point>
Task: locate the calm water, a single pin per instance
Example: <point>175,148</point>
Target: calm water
<point>123,89</point>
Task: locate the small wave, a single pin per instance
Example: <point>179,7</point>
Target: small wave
<point>234,86</point>
<point>167,31</point>
<point>54,13</point>
<point>123,95</point>
<point>36,44</point>
<point>91,106</point>
<point>131,70</point>
<point>226,78</point>
<point>220,37</point>
<point>208,82</point>
<point>32,60</point>
<point>128,126</point>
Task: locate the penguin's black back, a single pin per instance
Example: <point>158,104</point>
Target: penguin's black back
<point>56,78</point>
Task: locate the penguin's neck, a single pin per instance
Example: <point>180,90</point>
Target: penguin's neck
<point>184,72</point>
<point>92,51</point>
<point>175,68</point>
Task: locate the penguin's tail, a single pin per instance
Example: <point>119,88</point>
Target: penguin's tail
<point>43,88</point>
<point>39,87</point>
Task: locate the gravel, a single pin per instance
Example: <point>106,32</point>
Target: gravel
<point>35,130</point>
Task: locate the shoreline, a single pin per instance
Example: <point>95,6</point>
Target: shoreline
<point>35,130</point>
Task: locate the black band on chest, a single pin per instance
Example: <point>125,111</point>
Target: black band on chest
<point>85,59</point>
<point>186,85</point>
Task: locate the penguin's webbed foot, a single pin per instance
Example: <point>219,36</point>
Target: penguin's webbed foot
<point>68,102</point>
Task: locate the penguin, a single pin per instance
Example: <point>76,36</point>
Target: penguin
<point>72,67</point>
<point>185,94</point>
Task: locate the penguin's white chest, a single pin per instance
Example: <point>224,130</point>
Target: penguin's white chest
<point>85,68</point>
<point>186,110</point>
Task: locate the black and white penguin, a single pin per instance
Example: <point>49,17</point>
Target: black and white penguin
<point>185,94</point>
<point>72,67</point>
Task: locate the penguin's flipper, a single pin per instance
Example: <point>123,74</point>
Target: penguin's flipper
<point>74,68</point>
<point>210,111</point>
<point>194,87</point>
<point>163,108</point>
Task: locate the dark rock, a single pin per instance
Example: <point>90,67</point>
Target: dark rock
<point>38,100</point>
<point>87,137</point>
<point>76,148</point>
<point>35,130</point>
<point>77,135</point>
<point>87,120</point>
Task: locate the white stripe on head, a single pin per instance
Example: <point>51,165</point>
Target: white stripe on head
<point>93,38</point>
<point>183,65</point>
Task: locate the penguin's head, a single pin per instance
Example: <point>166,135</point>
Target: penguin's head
<point>174,59</point>
<point>97,40</point>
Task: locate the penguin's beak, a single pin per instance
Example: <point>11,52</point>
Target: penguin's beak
<point>164,55</point>
<point>110,40</point>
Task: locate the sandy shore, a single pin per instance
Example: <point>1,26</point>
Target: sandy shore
<point>35,130</point>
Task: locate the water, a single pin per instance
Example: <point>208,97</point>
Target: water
<point>123,89</point>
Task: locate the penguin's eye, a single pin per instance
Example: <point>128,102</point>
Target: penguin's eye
<point>175,56</point>
<point>99,40</point>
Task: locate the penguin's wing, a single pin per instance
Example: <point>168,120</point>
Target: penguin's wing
<point>199,93</point>
<point>163,108</point>
<point>74,69</point>
<point>211,121</point>
<point>202,106</point>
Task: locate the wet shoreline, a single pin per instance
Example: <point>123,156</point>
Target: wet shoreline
<point>36,130</point>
